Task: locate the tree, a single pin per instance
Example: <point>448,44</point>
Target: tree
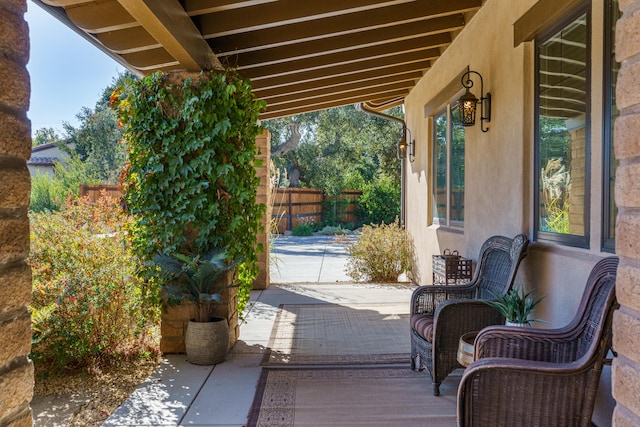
<point>45,136</point>
<point>336,148</point>
<point>97,141</point>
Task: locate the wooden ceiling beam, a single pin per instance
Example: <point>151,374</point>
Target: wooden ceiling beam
<point>99,17</point>
<point>349,91</point>
<point>325,61</point>
<point>345,54</point>
<point>261,77</point>
<point>272,114</point>
<point>169,24</point>
<point>368,78</point>
<point>150,59</point>
<point>199,7</point>
<point>352,40</point>
<point>283,12</point>
<point>289,12</point>
<point>323,28</point>
<point>128,40</point>
<point>318,77</point>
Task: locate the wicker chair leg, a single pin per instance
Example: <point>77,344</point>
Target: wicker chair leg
<point>436,389</point>
<point>413,363</point>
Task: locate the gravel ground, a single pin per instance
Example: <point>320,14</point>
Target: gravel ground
<point>82,399</point>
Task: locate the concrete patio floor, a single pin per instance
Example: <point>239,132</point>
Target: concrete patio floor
<point>180,393</point>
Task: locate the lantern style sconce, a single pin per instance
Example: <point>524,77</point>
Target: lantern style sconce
<point>467,102</point>
<point>406,147</point>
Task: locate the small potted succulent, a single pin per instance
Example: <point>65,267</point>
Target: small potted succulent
<point>200,279</point>
<point>516,306</point>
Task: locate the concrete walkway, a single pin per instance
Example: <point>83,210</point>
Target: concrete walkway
<point>179,393</point>
<point>312,259</point>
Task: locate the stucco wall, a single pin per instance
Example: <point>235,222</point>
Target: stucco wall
<point>499,163</point>
<point>16,370</point>
<point>496,167</point>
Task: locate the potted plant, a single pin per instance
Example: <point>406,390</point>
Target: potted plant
<point>200,280</point>
<point>516,306</point>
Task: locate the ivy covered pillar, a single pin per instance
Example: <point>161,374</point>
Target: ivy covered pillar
<point>190,182</point>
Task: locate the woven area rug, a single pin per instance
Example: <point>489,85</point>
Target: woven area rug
<point>374,396</point>
<point>332,334</point>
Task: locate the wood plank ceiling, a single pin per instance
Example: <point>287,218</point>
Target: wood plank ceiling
<point>301,55</point>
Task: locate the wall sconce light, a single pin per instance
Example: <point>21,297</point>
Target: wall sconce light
<point>467,102</point>
<point>406,147</point>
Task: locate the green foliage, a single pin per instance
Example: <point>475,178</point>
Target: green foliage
<point>380,201</point>
<point>380,254</point>
<point>197,278</point>
<point>303,229</point>
<point>340,148</point>
<point>190,179</point>
<point>87,307</point>
<point>45,136</point>
<point>333,230</point>
<point>332,208</point>
<point>516,305</point>
<point>98,140</point>
<point>48,193</point>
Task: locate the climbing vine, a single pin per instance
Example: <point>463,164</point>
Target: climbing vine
<point>190,180</point>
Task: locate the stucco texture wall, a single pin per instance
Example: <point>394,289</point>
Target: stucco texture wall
<point>496,163</point>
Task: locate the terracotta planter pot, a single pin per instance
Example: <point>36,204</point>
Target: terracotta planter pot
<point>207,343</point>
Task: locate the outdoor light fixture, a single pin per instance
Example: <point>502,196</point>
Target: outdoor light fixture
<point>467,102</point>
<point>406,147</point>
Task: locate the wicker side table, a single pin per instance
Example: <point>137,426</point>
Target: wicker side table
<point>450,269</point>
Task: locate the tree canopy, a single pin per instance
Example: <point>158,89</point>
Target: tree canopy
<point>335,149</point>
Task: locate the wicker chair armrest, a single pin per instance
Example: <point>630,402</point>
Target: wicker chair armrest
<point>504,389</point>
<point>425,299</point>
<point>544,345</point>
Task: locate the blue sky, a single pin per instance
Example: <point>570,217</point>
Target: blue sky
<point>67,72</point>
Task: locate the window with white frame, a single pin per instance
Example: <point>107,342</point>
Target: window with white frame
<point>448,167</point>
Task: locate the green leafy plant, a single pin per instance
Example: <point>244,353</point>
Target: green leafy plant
<point>516,305</point>
<point>196,278</point>
<point>380,201</point>
<point>49,192</point>
<point>381,253</point>
<point>87,306</point>
<point>303,229</point>
<point>190,180</point>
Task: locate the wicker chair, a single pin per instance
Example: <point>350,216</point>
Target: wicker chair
<point>538,377</point>
<point>441,314</point>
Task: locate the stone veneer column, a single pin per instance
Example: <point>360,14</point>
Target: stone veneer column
<point>16,370</point>
<point>264,196</point>
<point>626,326</point>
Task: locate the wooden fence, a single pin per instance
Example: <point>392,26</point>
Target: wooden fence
<point>292,206</point>
<point>93,191</point>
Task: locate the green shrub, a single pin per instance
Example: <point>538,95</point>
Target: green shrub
<point>332,231</point>
<point>87,307</point>
<point>303,229</point>
<point>48,192</point>
<point>380,202</point>
<point>380,254</point>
